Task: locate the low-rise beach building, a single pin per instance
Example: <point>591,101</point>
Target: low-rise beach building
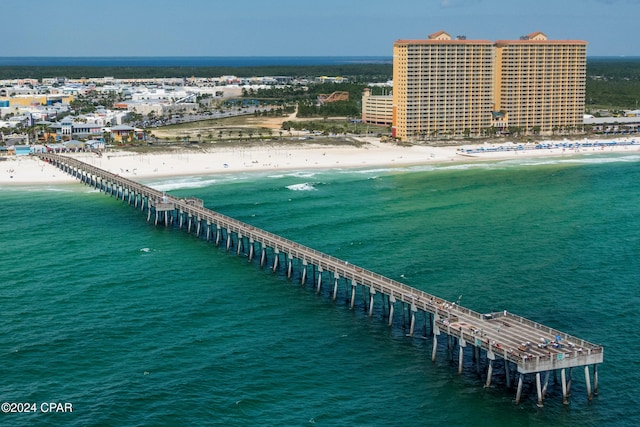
<point>123,133</point>
<point>377,109</point>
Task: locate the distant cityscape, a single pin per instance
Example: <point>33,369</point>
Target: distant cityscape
<point>443,88</point>
<point>41,111</point>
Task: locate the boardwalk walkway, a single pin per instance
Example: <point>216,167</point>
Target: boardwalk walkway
<point>523,346</point>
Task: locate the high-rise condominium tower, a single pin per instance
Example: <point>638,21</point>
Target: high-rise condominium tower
<point>446,87</point>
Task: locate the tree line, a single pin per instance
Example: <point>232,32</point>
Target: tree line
<point>612,83</point>
<point>354,72</point>
<point>306,98</point>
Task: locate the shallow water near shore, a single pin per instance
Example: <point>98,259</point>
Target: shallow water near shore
<point>142,325</point>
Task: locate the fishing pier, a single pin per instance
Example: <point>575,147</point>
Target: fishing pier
<point>519,346</point>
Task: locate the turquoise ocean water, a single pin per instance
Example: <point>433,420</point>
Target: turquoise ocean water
<point>140,325</point>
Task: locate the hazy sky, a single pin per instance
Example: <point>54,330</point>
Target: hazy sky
<point>300,27</point>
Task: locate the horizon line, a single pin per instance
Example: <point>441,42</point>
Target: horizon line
<point>201,56</point>
<point>246,56</point>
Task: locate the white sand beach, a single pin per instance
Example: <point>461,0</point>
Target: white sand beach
<point>21,170</point>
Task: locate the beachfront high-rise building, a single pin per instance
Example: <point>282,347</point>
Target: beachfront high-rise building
<point>441,86</point>
<point>540,83</point>
<point>445,87</point>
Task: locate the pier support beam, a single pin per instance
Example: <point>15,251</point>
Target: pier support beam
<point>490,358</point>
<point>412,324</point>
<point>319,280</point>
<point>539,389</point>
<point>372,293</point>
<point>563,379</point>
<point>587,380</point>
<point>487,384</point>
<point>569,381</point>
<point>251,249</point>
<point>229,239</point>
<point>392,303</point>
<point>546,384</point>
<point>519,390</point>
<point>303,279</point>
<point>462,344</point>
<point>240,244</point>
<point>435,346</point>
<point>595,380</point>
<point>276,258</point>
<point>507,374</point>
<point>354,285</point>
<point>335,287</point>
<point>290,267</point>
<point>436,332</point>
<point>263,256</point>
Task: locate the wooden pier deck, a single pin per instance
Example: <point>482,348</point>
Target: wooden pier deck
<point>524,346</point>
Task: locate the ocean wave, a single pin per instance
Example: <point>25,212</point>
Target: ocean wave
<point>184,182</point>
<point>29,188</point>
<point>296,174</point>
<point>602,159</point>
<point>302,174</point>
<point>583,159</point>
<point>302,187</point>
<point>51,189</point>
<point>372,171</point>
<point>467,166</point>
